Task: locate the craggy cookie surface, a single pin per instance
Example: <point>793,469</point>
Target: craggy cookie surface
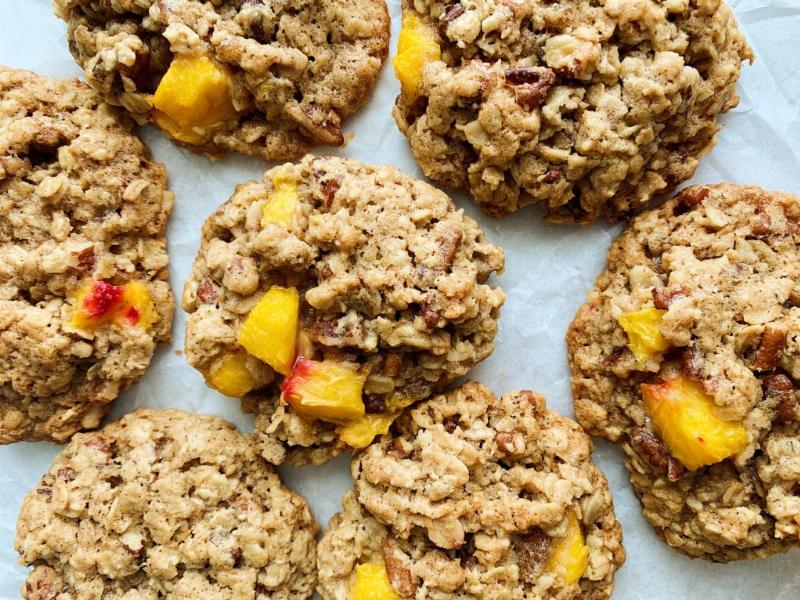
<point>372,278</point>
<point>476,497</point>
<point>264,77</point>
<point>82,205</point>
<point>687,354</point>
<point>165,500</point>
<point>585,107</point>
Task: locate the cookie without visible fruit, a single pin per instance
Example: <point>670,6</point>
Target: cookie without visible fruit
<point>264,77</point>
<point>81,203</point>
<point>165,500</point>
<point>701,392</point>
<point>586,108</point>
<point>380,279</point>
<point>477,497</point>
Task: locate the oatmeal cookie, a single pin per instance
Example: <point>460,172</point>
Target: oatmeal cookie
<point>165,500</point>
<point>687,354</point>
<point>476,497</point>
<point>586,107</point>
<point>83,264</point>
<point>270,78</point>
<point>372,278</point>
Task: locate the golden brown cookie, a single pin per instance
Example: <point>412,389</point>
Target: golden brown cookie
<point>84,298</point>
<point>585,108</point>
<point>265,77</point>
<point>687,354</point>
<point>363,289</point>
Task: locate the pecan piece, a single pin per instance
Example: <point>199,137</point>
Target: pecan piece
<point>692,363</point>
<point>98,443</point>
<point>655,451</point>
<point>449,242</point>
<point>450,423</point>
<point>392,364</point>
<point>66,474</point>
<point>333,333</point>
<point>399,575</point>
<point>692,197</point>
<point>780,387</point>
<point>531,84</point>
<point>552,176</point>
<point>86,259</point>
<point>773,341</point>
<point>663,297</point>
<point>323,127</point>
<point>533,551</point>
<point>331,187</point>
<point>449,14</point>
<point>428,314</point>
<point>207,292</point>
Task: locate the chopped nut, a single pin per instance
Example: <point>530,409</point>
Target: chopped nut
<point>772,343</point>
<point>692,363</point>
<point>399,575</point>
<point>86,259</point>
<point>655,451</point>
<point>449,14</point>
<point>663,297</point>
<point>531,84</point>
<point>448,246</point>
<point>207,292</point>
<point>533,551</point>
<point>392,365</point>
<point>331,187</point>
<point>780,386</point>
<point>692,197</point>
<point>429,315</point>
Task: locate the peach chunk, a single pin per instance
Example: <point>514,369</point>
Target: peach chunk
<point>685,418</point>
<point>270,330</point>
<point>193,98</point>
<point>359,434</point>
<point>644,337</point>
<point>282,202</point>
<point>417,46</point>
<point>138,306</point>
<point>372,583</point>
<point>326,390</point>
<point>231,377</point>
<point>570,555</point>
<point>99,303</point>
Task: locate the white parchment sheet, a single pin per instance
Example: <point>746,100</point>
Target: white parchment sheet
<point>549,270</point>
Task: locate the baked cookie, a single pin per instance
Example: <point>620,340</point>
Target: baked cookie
<point>687,354</point>
<point>362,288</point>
<point>165,501</point>
<point>584,107</point>
<point>475,497</point>
<point>264,77</point>
<point>83,263</point>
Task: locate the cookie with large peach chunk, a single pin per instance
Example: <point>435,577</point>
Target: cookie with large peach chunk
<point>471,496</point>
<point>355,289</point>
<point>83,262</point>
<point>268,78</point>
<point>687,355</point>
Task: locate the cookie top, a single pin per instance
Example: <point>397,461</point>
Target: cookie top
<point>687,353</point>
<point>477,497</point>
<point>586,108</point>
<point>83,210</point>
<point>163,499</point>
<point>363,270</point>
<point>264,77</point>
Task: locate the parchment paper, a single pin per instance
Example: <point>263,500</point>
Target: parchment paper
<point>549,270</point>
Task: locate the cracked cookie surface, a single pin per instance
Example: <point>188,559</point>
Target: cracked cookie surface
<point>80,201</point>
<point>716,269</point>
<point>471,496</point>
<point>164,499</point>
<point>291,72</point>
<point>391,283</point>
<point>586,108</point>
